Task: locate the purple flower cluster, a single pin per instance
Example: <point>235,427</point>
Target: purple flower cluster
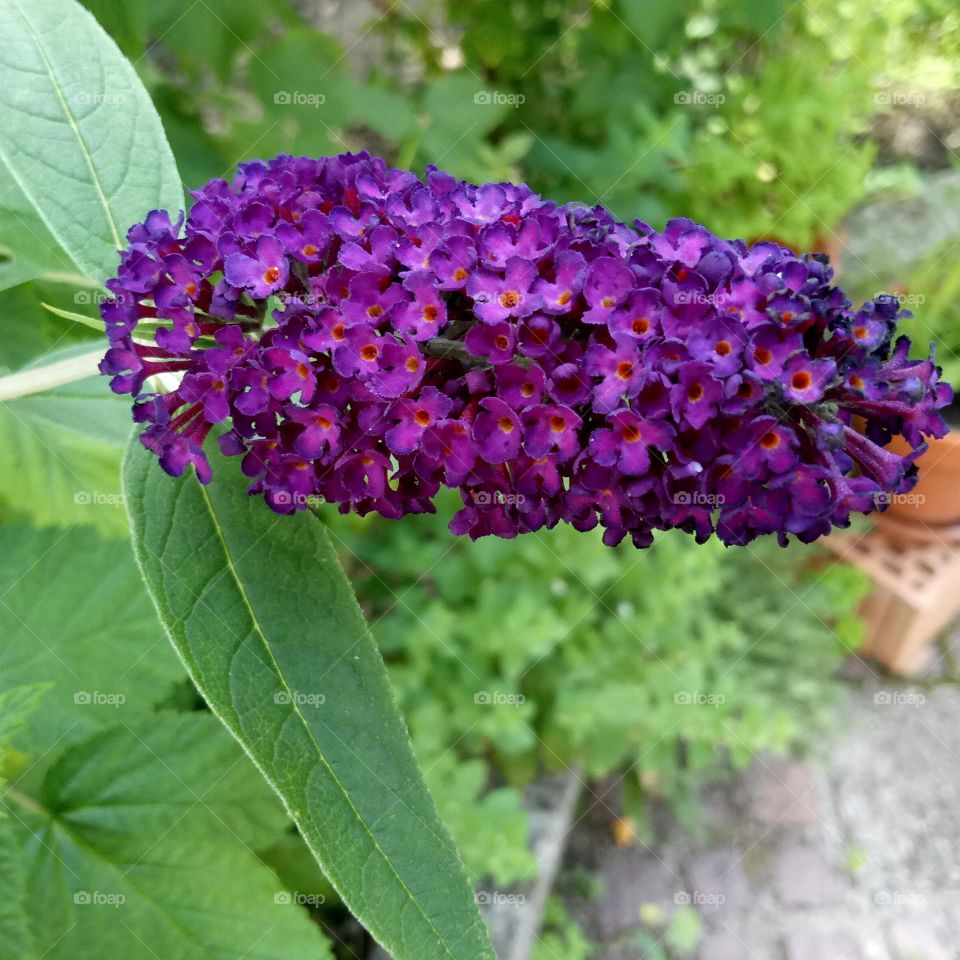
<point>366,337</point>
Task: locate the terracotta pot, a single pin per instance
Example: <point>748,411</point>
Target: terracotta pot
<point>931,511</point>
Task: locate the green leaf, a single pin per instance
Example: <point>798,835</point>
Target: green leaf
<point>62,452</point>
<point>137,845</point>
<point>16,939</point>
<point>93,636</point>
<point>266,622</point>
<point>27,249</point>
<point>78,132</point>
<point>16,704</point>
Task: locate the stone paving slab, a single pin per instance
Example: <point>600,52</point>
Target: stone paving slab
<point>851,855</point>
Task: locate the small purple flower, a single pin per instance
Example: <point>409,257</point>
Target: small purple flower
<point>720,345</point>
<point>495,342</point>
<point>805,380</point>
<point>764,445</point>
<point>559,295</point>
<point>496,297</point>
<point>426,315</point>
<point>694,399</point>
<point>626,444</point>
<point>262,274</point>
<point>520,386</point>
<point>608,282</point>
<point>622,374</point>
<point>497,431</point>
<point>548,429</point>
<point>321,430</point>
<point>412,418</point>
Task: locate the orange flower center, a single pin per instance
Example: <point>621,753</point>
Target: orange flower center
<point>801,380</point>
<point>861,333</point>
<point>422,417</point>
<point>369,352</point>
<point>501,342</point>
<point>309,250</point>
<point>762,355</point>
<point>564,298</point>
<point>323,423</point>
<point>460,274</point>
<point>528,390</point>
<point>558,424</point>
<point>624,369</point>
<point>724,348</point>
<point>339,331</point>
<point>641,325</point>
<point>770,440</point>
<point>631,433</point>
<point>505,424</point>
<point>509,299</point>
<point>430,313</point>
<point>374,311</point>
<point>695,392</point>
<point>271,275</point>
<point>412,364</point>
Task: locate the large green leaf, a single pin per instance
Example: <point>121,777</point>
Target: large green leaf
<point>266,622</point>
<point>27,249</point>
<point>137,846</point>
<point>74,613</point>
<point>62,450</point>
<point>16,938</point>
<point>78,132</point>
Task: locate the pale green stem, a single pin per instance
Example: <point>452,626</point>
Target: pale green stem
<point>52,375</point>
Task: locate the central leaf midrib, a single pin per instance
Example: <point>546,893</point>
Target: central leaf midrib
<point>258,630</point>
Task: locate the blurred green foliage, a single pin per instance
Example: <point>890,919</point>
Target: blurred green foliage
<point>551,649</point>
<point>936,313</point>
<point>748,115</point>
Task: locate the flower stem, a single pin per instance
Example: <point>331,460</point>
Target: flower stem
<point>52,375</point>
